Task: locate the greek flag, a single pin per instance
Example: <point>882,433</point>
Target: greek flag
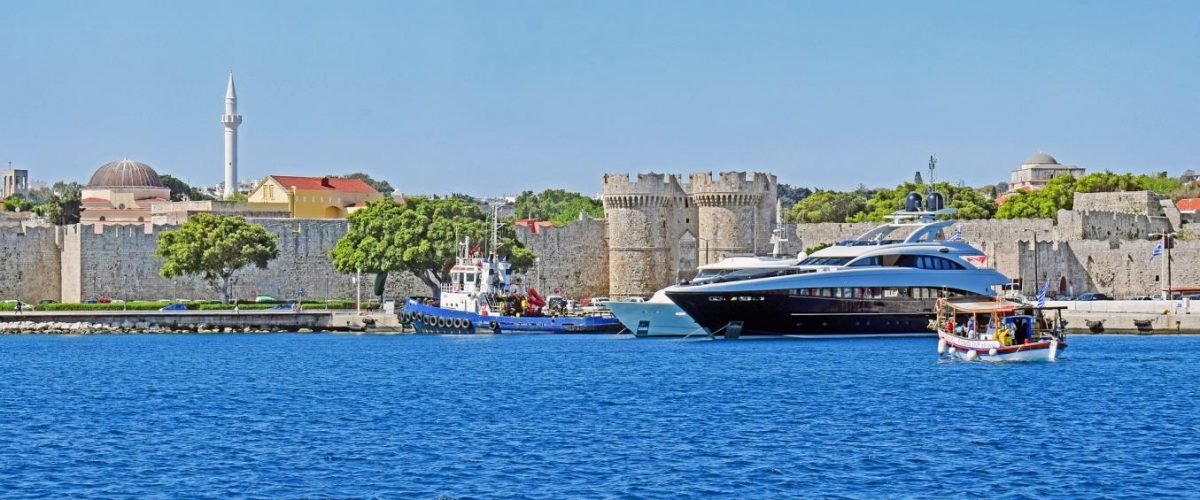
<point>1157,252</point>
<point>957,236</point>
<point>1041,295</point>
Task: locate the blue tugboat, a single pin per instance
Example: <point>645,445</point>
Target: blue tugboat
<point>480,298</point>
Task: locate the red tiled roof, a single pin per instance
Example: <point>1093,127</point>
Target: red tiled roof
<point>1188,205</point>
<point>324,184</point>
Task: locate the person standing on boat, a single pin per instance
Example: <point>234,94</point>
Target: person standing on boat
<point>971,327</point>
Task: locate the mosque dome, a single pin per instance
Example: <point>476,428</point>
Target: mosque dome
<point>125,173</point>
<point>1041,159</point>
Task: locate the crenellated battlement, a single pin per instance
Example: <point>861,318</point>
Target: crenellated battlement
<point>732,182</point>
<point>650,190</point>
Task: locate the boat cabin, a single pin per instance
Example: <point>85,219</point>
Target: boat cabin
<point>1008,322</point>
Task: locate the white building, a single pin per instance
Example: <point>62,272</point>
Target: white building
<point>1037,171</point>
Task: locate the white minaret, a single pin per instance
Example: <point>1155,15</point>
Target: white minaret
<point>230,120</point>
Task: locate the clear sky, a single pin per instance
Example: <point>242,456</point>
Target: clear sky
<point>495,97</point>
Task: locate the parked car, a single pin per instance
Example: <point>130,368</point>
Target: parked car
<point>1064,298</point>
<point>1091,296</point>
<point>264,298</point>
<point>174,307</point>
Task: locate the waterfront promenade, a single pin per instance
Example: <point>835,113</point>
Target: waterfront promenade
<point>194,321</point>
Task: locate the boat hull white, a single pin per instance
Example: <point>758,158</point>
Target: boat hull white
<point>663,319</point>
<point>992,350</point>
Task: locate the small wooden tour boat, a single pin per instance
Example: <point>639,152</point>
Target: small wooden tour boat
<point>998,330</point>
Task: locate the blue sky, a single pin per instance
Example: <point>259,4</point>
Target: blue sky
<point>496,97</point>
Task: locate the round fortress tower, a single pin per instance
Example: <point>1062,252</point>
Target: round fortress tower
<point>737,213</point>
<point>645,220</point>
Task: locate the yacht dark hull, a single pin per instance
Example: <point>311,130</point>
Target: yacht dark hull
<point>774,314</point>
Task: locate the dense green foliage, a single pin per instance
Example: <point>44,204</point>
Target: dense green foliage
<point>790,195</point>
<point>181,191</point>
<point>420,236</point>
<point>59,203</point>
<point>827,206</point>
<point>1059,193</point>
<point>556,205</point>
<point>969,202</point>
<point>384,187</point>
<point>1105,182</point>
<point>215,247</point>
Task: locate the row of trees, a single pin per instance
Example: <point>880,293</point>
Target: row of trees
<point>1059,193</point>
<point>420,235</point>
<point>556,205</point>
<point>862,204</point>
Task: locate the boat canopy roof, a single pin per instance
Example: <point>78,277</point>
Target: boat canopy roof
<point>978,306</point>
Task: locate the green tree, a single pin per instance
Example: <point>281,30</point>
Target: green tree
<point>17,203</point>
<point>556,205</point>
<point>215,247</point>
<point>969,202</point>
<point>420,236</point>
<point>790,195</point>
<point>827,206</point>
<point>382,186</point>
<point>181,191</point>
<point>1058,194</point>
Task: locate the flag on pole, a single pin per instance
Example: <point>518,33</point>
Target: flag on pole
<point>1041,296</point>
<point>957,236</point>
<point>1157,252</point>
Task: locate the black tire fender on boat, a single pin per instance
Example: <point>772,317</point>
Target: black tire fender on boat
<point>495,326</point>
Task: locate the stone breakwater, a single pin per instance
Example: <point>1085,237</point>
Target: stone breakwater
<point>83,327</point>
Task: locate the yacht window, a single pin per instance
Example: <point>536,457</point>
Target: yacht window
<point>825,261</point>
<point>847,293</point>
<point>868,261</point>
<point>921,262</point>
<point>827,292</point>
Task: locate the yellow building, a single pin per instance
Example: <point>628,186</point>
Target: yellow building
<point>315,197</point>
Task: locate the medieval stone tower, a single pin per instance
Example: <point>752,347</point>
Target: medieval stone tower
<point>736,212</point>
<point>651,227</point>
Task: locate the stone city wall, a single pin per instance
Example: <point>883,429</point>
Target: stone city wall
<point>118,262</point>
<point>1079,225</point>
<point>1131,202</point>
<point>973,231</point>
<point>31,262</point>
<point>1121,269</point>
<point>572,259</point>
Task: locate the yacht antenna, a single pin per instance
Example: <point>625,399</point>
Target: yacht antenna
<point>932,165</point>
<point>495,229</point>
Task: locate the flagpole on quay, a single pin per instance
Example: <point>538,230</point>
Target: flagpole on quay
<point>1164,248</point>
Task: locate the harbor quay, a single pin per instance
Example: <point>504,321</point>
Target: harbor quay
<point>78,322</point>
<point>1104,245</point>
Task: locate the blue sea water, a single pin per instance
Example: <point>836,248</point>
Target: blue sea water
<point>329,415</point>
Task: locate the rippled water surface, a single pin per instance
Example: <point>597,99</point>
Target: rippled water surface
<point>562,416</point>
